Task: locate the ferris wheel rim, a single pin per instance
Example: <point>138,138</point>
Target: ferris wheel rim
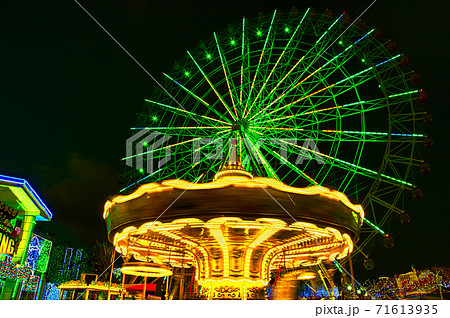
<point>230,115</point>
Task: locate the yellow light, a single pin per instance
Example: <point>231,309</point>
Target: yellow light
<point>129,229</point>
<point>299,249</point>
<point>246,226</point>
<point>237,182</point>
<point>173,242</point>
<point>313,190</point>
<point>108,206</point>
<point>244,175</point>
<point>306,276</point>
<point>143,189</point>
<point>123,239</point>
<point>338,247</point>
<point>321,110</point>
<point>218,235</point>
<point>318,69</point>
<point>145,269</point>
<point>248,257</point>
<point>234,282</point>
<point>189,221</point>
<point>93,286</point>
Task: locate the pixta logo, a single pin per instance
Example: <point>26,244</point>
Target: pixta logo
<point>141,148</point>
<point>149,151</point>
<point>306,150</point>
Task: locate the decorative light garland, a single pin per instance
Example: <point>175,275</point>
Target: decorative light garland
<point>31,284</point>
<point>44,256</point>
<point>24,273</point>
<point>65,264</point>
<point>34,251</point>
<point>94,285</point>
<point>8,270</point>
<point>12,271</point>
<point>412,284</point>
<point>67,260</point>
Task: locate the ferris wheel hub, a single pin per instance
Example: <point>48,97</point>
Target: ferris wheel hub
<point>261,89</point>
<point>240,125</point>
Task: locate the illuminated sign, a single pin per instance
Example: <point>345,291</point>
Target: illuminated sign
<point>7,214</point>
<point>7,233</point>
<point>7,210</point>
<point>6,245</point>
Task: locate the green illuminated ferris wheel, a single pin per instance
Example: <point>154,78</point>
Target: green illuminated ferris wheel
<point>310,99</point>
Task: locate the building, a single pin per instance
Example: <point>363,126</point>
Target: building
<point>23,254</point>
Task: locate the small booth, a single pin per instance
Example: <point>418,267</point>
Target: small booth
<point>96,290</point>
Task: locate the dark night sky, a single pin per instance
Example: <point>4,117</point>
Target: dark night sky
<point>69,95</point>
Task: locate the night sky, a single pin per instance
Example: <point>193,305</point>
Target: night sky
<point>69,95</point>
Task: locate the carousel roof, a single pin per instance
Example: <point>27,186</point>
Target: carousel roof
<point>233,193</point>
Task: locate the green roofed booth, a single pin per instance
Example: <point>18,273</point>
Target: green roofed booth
<point>22,266</point>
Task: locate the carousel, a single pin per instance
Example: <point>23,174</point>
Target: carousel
<point>233,237</point>
<point>281,86</point>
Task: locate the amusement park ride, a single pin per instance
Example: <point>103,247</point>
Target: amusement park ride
<point>320,121</point>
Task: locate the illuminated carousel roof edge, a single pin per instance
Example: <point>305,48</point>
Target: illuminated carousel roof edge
<point>235,194</point>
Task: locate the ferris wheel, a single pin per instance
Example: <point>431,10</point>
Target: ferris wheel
<point>310,99</point>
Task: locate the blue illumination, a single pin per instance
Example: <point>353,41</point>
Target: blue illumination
<point>78,257</point>
<point>367,69</point>
<point>381,133</point>
<point>47,210</point>
<point>12,180</point>
<point>329,28</point>
<point>71,265</point>
<point>34,251</point>
<point>305,291</point>
<point>387,60</point>
<point>350,46</point>
<point>118,273</point>
<point>68,261</point>
<point>35,197</point>
<point>51,292</point>
<point>364,36</point>
<point>139,180</point>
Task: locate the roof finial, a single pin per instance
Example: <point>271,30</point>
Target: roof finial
<point>233,152</point>
<point>234,168</point>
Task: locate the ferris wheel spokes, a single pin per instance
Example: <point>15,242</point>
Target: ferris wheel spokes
<point>289,79</point>
<point>305,58</point>
<point>258,66</point>
<point>225,70</point>
<point>343,89</point>
<point>278,60</point>
<point>213,88</point>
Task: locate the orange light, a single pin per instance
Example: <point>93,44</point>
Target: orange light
<point>306,276</point>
